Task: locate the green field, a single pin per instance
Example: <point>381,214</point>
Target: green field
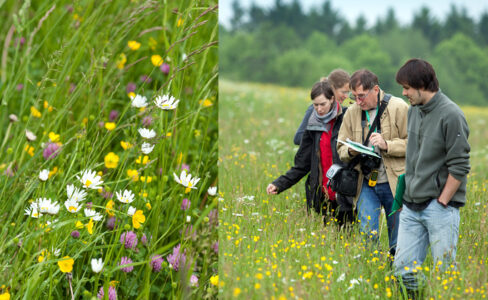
<point>73,76</point>
<point>271,249</point>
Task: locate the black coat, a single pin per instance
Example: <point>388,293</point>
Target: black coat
<point>307,160</point>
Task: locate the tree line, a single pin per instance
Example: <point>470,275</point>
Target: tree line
<point>287,46</point>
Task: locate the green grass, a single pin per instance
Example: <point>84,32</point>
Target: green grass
<point>69,69</point>
<point>271,249</point>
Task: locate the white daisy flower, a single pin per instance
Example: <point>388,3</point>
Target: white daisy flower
<point>75,194</point>
<point>32,212</point>
<point>212,191</point>
<point>147,148</point>
<point>131,211</point>
<point>147,133</point>
<point>97,265</point>
<point>44,175</point>
<point>166,102</point>
<point>72,206</point>
<point>139,101</point>
<point>125,197</point>
<point>46,206</point>
<point>92,214</point>
<point>90,179</point>
<point>186,180</point>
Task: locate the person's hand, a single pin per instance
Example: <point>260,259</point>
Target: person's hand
<point>272,189</point>
<point>352,152</point>
<point>378,141</point>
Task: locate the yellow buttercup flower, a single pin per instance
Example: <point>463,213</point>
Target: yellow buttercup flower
<point>79,225</point>
<point>53,172</point>
<point>121,61</point>
<point>180,22</point>
<point>138,218</point>
<point>110,126</point>
<point>146,179</point>
<point>89,226</point>
<point>206,102</point>
<point>133,174</point>
<point>237,292</point>
<point>142,160</point>
<point>126,145</point>
<point>66,264</point>
<point>29,150</point>
<point>131,95</point>
<point>5,296</point>
<point>134,45</point>
<point>157,60</point>
<point>148,206</point>
<point>53,137</point>
<point>111,160</point>
<point>109,208</point>
<point>214,280</point>
<point>35,113</point>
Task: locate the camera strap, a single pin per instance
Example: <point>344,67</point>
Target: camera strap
<point>376,122</point>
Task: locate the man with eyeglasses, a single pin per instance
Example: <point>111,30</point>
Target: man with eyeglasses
<point>388,138</point>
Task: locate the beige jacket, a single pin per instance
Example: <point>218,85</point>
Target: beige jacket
<point>393,129</point>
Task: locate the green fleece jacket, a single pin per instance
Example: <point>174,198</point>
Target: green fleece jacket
<point>437,146</point>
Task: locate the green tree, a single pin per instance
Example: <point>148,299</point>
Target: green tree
<point>237,15</point>
<point>483,28</point>
<point>458,21</point>
<point>427,24</point>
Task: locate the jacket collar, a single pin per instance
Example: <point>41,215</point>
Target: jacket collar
<point>432,104</point>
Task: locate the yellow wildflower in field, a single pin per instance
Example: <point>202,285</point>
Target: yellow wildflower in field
<point>131,95</point>
<point>180,22</point>
<point>214,280</point>
<point>138,218</point>
<point>259,276</point>
<point>148,206</point>
<point>126,145</point>
<point>121,61</point>
<point>109,208</point>
<point>237,292</point>
<point>205,103</point>
<point>111,160</point>
<point>89,226</point>
<point>53,137</point>
<point>146,179</point>
<point>29,150</point>
<point>110,126</point>
<point>257,286</point>
<point>144,160</point>
<point>35,113</point>
<point>5,296</point>
<point>133,175</point>
<point>133,45</point>
<point>156,60</point>
<point>388,293</point>
<point>66,264</point>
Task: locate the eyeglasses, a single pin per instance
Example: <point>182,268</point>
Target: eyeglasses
<point>359,97</point>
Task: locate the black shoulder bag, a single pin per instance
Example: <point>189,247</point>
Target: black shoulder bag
<point>344,179</point>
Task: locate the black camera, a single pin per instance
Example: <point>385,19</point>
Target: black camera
<point>369,163</point>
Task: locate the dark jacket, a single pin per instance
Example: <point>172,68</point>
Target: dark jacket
<point>307,161</point>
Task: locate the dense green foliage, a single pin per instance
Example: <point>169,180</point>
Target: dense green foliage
<point>69,75</point>
<point>284,45</point>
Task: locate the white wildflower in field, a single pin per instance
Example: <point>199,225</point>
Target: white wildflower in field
<point>72,206</point>
<point>125,197</point>
<point>97,265</point>
<point>342,277</point>
<point>75,194</point>
<point>212,191</point>
<point>186,180</point>
<point>55,251</point>
<point>188,219</point>
<point>147,133</point>
<point>44,175</point>
<point>93,214</point>
<point>139,101</point>
<point>32,212</point>
<point>131,211</point>
<point>90,179</point>
<point>147,148</point>
<point>46,206</point>
<point>166,102</point>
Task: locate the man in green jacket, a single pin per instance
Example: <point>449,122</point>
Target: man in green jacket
<point>437,165</point>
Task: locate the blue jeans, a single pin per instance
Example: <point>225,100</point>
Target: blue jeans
<point>369,208</point>
<point>435,225</point>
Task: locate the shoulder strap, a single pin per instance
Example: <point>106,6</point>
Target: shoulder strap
<point>376,121</point>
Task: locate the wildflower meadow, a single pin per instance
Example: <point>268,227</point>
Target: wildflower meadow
<point>271,249</point>
<point>108,149</point>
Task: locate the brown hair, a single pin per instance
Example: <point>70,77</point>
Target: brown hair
<point>363,77</point>
<point>338,78</point>
<point>321,88</point>
<point>418,74</point>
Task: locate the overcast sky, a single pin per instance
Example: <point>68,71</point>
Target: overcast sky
<point>372,9</point>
